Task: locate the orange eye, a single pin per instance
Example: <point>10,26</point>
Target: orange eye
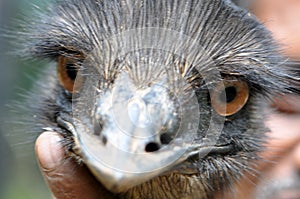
<point>230,96</point>
<point>67,70</point>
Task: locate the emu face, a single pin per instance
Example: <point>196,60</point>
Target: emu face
<point>160,99</point>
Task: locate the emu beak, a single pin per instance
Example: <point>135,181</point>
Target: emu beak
<point>121,170</point>
<point>123,142</point>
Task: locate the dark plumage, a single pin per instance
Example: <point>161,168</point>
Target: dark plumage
<point>161,55</point>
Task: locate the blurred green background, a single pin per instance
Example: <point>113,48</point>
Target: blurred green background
<point>19,174</point>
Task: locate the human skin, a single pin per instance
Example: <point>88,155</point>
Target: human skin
<point>65,178</point>
<point>281,17</point>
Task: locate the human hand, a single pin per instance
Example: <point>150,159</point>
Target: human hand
<point>65,178</point>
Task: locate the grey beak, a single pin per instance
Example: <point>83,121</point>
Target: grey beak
<point>127,147</point>
<point>119,170</point>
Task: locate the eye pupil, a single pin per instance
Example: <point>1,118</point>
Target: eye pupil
<point>71,71</point>
<point>229,96</point>
<point>68,72</point>
<point>230,93</point>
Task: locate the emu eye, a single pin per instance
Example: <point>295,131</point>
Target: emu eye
<point>230,96</point>
<point>67,70</point>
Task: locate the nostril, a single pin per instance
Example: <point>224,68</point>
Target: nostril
<point>165,138</point>
<point>151,147</point>
<point>104,140</point>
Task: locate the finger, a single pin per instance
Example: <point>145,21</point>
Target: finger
<point>66,178</point>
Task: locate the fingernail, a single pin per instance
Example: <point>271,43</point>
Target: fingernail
<point>49,150</point>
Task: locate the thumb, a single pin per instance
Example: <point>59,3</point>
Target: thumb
<point>65,178</point>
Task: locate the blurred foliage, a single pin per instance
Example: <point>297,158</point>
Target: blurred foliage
<point>20,177</point>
